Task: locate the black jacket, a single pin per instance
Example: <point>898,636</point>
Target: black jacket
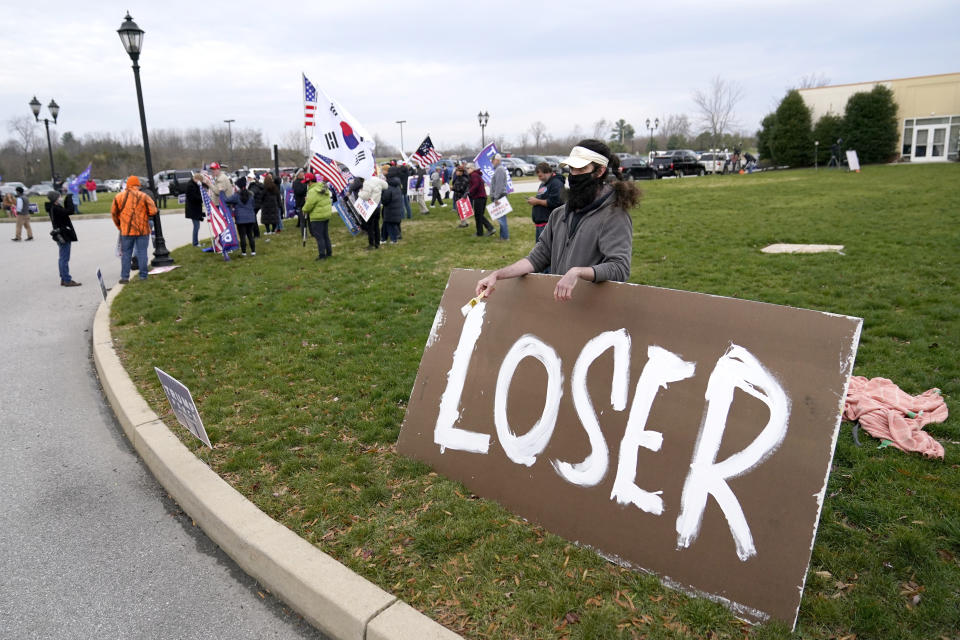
<point>392,201</point>
<point>552,192</point>
<point>300,194</point>
<point>271,204</point>
<point>60,219</point>
<point>193,208</point>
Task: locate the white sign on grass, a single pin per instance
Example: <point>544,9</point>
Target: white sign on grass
<point>181,401</point>
<point>853,162</point>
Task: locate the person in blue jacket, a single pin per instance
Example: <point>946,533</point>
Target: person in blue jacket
<point>244,214</point>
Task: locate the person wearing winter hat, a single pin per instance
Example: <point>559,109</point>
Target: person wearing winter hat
<point>131,212</point>
<point>60,220</point>
<point>245,215</point>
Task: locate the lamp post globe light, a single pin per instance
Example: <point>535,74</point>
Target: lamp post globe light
<point>656,124</point>
<point>132,38</point>
<point>483,118</point>
<point>54,109</point>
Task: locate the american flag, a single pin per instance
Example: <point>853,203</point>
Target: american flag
<point>309,102</point>
<point>425,153</point>
<point>218,223</point>
<point>329,170</point>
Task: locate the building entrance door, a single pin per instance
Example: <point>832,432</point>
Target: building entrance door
<point>930,143</point>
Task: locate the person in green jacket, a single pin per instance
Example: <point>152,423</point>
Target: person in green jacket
<point>317,209</point>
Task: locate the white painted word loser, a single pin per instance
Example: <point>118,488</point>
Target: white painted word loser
<point>735,369</point>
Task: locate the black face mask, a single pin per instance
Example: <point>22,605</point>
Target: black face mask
<point>583,190</point>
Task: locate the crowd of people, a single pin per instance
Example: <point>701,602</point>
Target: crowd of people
<point>583,231</point>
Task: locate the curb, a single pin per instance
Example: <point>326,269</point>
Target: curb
<point>334,599</point>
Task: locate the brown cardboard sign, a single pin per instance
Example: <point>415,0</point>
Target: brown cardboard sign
<point>685,434</point>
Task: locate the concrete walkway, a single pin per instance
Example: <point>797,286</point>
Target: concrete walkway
<point>90,544</point>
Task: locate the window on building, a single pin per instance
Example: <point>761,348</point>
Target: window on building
<point>907,140</point>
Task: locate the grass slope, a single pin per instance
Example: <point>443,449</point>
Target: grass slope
<point>302,370</point>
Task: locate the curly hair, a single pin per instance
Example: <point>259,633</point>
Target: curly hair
<point>626,194</point>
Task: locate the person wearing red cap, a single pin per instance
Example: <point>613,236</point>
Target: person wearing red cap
<point>220,180</point>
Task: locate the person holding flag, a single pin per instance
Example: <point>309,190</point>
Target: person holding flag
<point>246,215</point>
<point>478,198</point>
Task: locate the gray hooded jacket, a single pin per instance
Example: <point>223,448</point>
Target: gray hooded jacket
<point>603,240</point>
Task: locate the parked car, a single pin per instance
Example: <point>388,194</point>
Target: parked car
<point>40,189</point>
<point>518,167</point>
<point>555,163</point>
<point>634,168</point>
<point>714,161</point>
<point>113,184</point>
<point>11,188</point>
<point>101,187</point>
<point>678,163</point>
<point>535,160</point>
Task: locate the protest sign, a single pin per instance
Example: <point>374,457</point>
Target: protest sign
<point>853,162</point>
<point>184,408</point>
<point>499,208</point>
<point>346,212</point>
<point>103,287</point>
<point>685,434</point>
<point>412,189</point>
<point>464,208</point>
<point>365,208</point>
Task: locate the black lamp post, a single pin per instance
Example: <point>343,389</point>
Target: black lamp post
<point>132,38</point>
<point>54,110</point>
<point>483,117</point>
<point>656,124</point>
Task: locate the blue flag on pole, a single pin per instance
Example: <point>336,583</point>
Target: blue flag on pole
<point>484,161</point>
<point>74,185</point>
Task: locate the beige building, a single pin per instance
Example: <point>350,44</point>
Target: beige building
<point>928,111</point>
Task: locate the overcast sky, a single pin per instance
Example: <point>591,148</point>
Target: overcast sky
<point>436,64</point>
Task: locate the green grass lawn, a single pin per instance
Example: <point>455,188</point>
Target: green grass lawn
<point>302,371</point>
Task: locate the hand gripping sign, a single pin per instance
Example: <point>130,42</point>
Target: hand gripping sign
<point>685,434</point>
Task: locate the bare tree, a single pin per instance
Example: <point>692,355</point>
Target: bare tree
<point>812,80</point>
<point>717,104</point>
<point>600,128</point>
<point>539,131</point>
<point>675,124</point>
<point>522,141</point>
<point>25,138</point>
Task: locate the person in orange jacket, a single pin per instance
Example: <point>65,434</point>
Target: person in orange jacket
<point>131,212</point>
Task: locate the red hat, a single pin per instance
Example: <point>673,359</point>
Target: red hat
<point>214,165</point>
<point>309,177</point>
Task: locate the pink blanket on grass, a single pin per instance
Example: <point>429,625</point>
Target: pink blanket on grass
<point>886,412</point>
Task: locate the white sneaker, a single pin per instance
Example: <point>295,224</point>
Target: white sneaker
<point>244,254</point>
<point>253,253</point>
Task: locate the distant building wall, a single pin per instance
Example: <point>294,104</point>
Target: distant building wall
<point>928,110</point>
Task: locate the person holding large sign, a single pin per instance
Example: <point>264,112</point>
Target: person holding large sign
<point>588,238</point>
<point>498,189</point>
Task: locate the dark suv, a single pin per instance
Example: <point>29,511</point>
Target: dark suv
<point>679,163</point>
<point>177,179</point>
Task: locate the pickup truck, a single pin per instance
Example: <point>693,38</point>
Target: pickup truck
<point>679,163</point>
